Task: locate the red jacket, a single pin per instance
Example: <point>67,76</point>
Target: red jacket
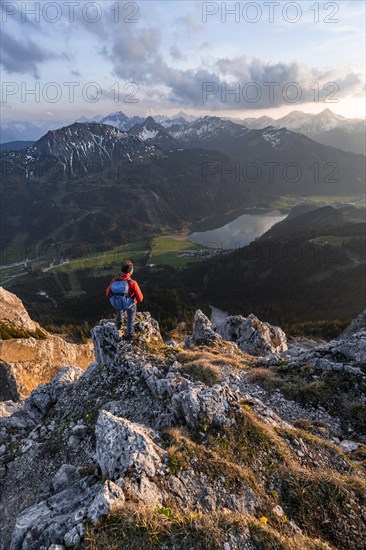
<point>134,288</point>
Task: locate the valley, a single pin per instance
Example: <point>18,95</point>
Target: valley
<point>328,257</point>
<point>85,196</point>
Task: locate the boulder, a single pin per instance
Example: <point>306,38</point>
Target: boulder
<point>123,446</point>
<point>202,331</point>
<point>195,404</point>
<point>107,499</point>
<point>14,314</point>
<point>252,335</point>
<point>60,519</point>
<point>348,446</point>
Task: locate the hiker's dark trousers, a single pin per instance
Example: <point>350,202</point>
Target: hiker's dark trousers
<point>131,316</point>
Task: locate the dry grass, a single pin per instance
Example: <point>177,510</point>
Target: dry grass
<point>137,527</point>
<point>185,454</point>
<point>325,504</point>
<point>265,378</point>
<point>216,357</point>
<point>203,371</point>
<point>205,365</point>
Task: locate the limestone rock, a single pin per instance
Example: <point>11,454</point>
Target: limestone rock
<point>13,312</point>
<point>196,405</point>
<point>346,354</point>
<point>144,489</point>
<point>105,339</point>
<point>65,476</point>
<point>148,328</point>
<point>348,446</point>
<point>109,497</point>
<point>357,324</point>
<point>202,330</point>
<point>82,442</point>
<point>27,362</point>
<point>59,520</point>
<point>123,446</point>
<point>38,403</point>
<point>252,335</point>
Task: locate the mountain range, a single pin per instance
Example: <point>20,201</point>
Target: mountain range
<point>326,127</point>
<point>93,181</point>
<point>264,155</point>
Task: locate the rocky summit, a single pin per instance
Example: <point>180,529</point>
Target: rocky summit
<point>233,439</point>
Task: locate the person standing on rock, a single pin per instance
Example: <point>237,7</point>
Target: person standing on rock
<point>124,294</point>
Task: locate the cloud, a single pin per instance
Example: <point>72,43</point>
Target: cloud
<point>136,55</point>
<point>134,52</point>
<point>204,45</point>
<point>258,84</point>
<point>176,53</point>
<point>23,57</point>
<point>189,23</point>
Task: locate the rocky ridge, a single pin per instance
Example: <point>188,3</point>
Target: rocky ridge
<point>29,355</point>
<point>158,446</point>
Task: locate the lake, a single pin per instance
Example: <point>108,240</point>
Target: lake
<point>238,232</point>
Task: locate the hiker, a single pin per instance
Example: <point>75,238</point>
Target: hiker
<point>124,294</point>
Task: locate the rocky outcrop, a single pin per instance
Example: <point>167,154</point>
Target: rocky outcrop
<point>135,430</point>
<point>13,313</point>
<point>196,404</point>
<point>33,356</point>
<point>357,324</point>
<point>252,335</point>
<point>203,332</point>
<point>249,333</point>
<point>345,355</point>
<point>60,518</point>
<point>135,399</point>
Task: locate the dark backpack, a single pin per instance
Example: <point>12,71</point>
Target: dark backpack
<point>119,296</point>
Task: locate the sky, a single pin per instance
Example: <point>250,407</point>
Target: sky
<point>61,60</point>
